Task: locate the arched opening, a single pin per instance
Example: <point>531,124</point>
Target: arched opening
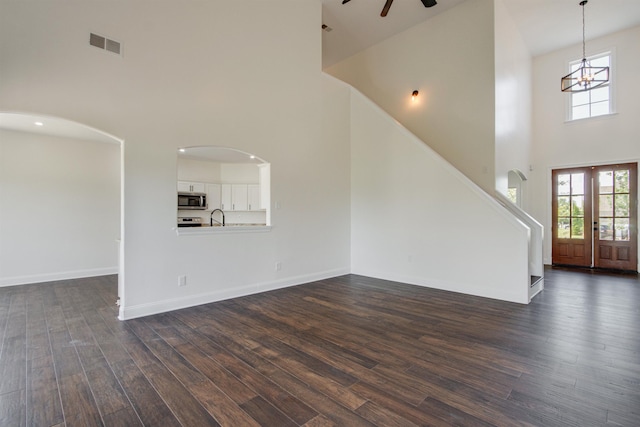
<point>514,191</point>
<point>61,201</point>
<point>222,187</point>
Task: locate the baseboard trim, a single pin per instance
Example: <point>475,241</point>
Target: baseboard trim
<point>141,310</point>
<point>466,289</point>
<point>52,277</point>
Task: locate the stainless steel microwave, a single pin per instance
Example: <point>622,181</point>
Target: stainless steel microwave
<point>192,201</point>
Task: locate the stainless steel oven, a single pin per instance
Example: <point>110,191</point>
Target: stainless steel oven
<point>187,221</point>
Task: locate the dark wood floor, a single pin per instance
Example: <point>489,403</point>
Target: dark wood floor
<point>349,351</point>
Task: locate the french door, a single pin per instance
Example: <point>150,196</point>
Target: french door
<point>595,217</point>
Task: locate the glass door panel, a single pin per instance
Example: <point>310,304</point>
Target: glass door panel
<point>616,224</point>
<point>572,217</point>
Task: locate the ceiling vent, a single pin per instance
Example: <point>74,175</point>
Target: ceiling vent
<point>105,43</point>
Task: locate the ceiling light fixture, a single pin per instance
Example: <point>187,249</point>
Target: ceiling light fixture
<point>38,123</point>
<point>414,95</point>
<point>585,77</point>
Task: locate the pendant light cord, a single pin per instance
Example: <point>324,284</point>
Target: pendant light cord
<point>584,49</point>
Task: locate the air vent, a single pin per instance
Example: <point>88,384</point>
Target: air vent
<point>105,43</point>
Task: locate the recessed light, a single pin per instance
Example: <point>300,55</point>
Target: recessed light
<point>182,150</point>
<point>38,123</point>
<point>252,156</point>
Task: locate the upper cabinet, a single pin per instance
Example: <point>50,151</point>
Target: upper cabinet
<point>239,197</point>
<point>225,197</point>
<point>253,194</point>
<point>214,196</point>
<point>191,187</point>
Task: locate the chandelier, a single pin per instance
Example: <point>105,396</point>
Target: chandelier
<point>585,77</point>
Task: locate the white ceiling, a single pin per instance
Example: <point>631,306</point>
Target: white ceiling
<point>546,25</point>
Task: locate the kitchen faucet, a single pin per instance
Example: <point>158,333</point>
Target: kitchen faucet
<point>211,217</point>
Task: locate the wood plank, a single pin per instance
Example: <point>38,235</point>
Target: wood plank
<point>319,421</point>
<point>43,398</point>
<point>13,364</point>
<point>182,403</point>
<point>266,414</point>
<point>45,408</point>
<point>79,407</point>
<point>146,402</point>
<point>224,379</point>
<point>125,417</point>
<point>220,406</point>
<point>171,359</point>
<point>383,416</point>
<point>106,389</point>
<point>389,401</point>
<point>449,414</point>
<point>12,408</point>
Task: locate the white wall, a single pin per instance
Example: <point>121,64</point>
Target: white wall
<point>59,208</point>
<point>601,140</point>
<point>513,100</point>
<point>449,59</point>
<point>416,219</point>
<point>198,170</point>
<point>239,173</point>
<point>215,172</point>
<point>246,72</point>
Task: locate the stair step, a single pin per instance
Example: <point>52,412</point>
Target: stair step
<point>535,280</point>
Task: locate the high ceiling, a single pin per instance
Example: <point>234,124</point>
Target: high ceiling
<point>546,25</point>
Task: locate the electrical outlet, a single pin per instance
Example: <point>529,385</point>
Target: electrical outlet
<point>278,266</point>
<point>182,280</point>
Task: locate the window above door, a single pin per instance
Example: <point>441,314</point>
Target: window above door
<point>595,102</point>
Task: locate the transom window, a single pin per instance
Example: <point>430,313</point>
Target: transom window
<point>594,102</point>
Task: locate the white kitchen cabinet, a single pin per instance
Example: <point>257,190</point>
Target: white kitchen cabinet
<point>214,196</point>
<point>191,187</point>
<point>225,197</point>
<point>253,194</point>
<point>239,197</point>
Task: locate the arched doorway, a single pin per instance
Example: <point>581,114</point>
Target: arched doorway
<point>61,200</point>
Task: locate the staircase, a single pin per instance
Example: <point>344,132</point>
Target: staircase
<point>536,265</point>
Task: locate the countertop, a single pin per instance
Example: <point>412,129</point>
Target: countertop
<point>206,229</point>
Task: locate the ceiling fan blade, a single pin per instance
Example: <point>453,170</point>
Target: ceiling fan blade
<point>386,7</point>
<point>429,3</point>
